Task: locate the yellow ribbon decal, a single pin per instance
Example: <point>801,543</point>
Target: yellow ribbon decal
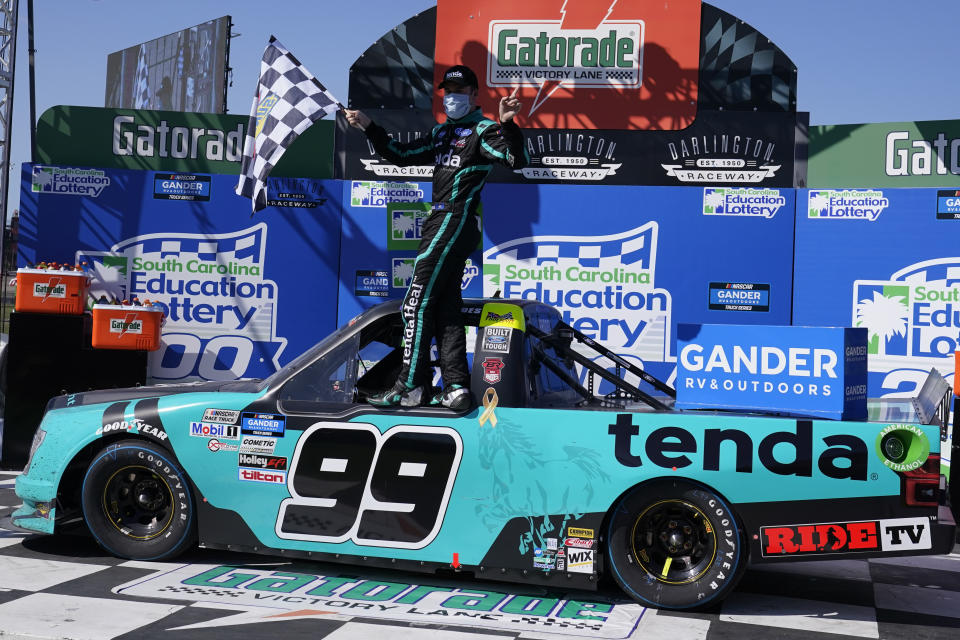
<point>489,404</point>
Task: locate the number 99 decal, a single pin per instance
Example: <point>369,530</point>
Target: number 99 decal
<point>350,482</point>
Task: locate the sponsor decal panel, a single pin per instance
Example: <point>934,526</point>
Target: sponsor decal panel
<point>491,370</point>
<point>948,205</point>
<point>372,283</point>
<point>179,186</point>
<point>53,288</point>
<point>570,155</point>
<point>579,543</point>
<point>732,201</point>
<point>215,445</point>
<point>263,595</point>
<point>366,193</point>
<point>257,444</point>
<point>259,461</point>
<point>262,424</point>
<point>69,181</point>
<point>220,309</point>
<point>812,371</point>
<point>215,430</point>
<point>913,317</point>
<point>604,286</point>
<point>129,324</point>
<point>134,425</point>
<point>579,532</point>
<point>221,416</point>
<point>257,475</point>
<point>722,158</point>
<point>579,560</point>
<point>900,534</point>
<point>739,296</point>
<point>405,225</point>
<point>846,204</point>
<point>496,339</point>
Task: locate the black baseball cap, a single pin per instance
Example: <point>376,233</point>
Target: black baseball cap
<point>459,75</point>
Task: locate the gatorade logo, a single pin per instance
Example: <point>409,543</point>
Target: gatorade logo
<point>52,289</point>
<point>129,324</point>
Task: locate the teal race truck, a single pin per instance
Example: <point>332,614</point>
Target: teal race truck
<point>544,481</point>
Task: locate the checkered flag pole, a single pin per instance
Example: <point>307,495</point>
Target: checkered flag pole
<point>288,100</point>
<point>141,90</point>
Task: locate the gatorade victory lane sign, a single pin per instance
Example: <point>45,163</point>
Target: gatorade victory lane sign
<point>581,64</point>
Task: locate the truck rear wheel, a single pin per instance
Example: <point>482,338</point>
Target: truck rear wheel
<point>137,502</point>
<point>673,544</point>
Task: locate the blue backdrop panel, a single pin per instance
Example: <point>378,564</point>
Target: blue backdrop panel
<point>626,264</point>
<point>243,294</point>
<point>378,249</point>
<point>884,260</point>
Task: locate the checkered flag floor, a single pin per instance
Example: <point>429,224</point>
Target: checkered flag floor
<point>288,100</point>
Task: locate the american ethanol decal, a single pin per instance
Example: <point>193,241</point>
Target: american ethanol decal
<point>220,308</point>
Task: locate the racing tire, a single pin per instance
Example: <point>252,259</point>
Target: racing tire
<point>137,503</point>
<point>674,544</point>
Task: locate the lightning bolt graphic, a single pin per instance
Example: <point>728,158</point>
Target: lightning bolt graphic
<point>53,282</point>
<point>127,321</point>
<point>575,14</point>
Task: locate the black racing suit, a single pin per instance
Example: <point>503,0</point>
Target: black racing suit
<point>462,152</point>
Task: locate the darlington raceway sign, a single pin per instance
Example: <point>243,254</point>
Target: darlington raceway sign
<point>270,596</point>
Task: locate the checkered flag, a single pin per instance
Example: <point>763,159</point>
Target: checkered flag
<point>141,89</point>
<point>288,100</point>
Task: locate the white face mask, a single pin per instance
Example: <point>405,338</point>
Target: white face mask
<point>456,105</point>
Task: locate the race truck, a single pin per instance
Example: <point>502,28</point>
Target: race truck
<point>545,481</point>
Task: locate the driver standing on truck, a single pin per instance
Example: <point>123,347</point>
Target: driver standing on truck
<point>462,150</point>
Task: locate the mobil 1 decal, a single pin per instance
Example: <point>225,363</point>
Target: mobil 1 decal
<point>220,307</point>
<point>351,482</point>
<point>739,296</point>
<point>603,285</point>
<point>912,317</point>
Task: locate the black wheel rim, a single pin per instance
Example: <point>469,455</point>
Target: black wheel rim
<point>138,502</point>
<point>673,541</point>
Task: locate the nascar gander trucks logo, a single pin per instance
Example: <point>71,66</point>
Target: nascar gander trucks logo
<point>67,181</point>
<point>912,317</point>
<point>603,285</point>
<point>221,311</point>
<point>846,204</point>
<point>577,61</point>
<point>730,201</point>
<point>721,158</point>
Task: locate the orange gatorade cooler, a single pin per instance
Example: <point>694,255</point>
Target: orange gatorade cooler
<point>51,291</point>
<point>120,326</point>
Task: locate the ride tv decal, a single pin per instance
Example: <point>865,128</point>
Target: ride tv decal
<point>604,286</point>
<point>263,595</point>
<point>262,424</point>
<point>68,181</point>
<point>915,313</point>
<point>948,205</point>
<point>900,534</point>
<point>578,60</point>
<point>739,296</point>
<point>372,283</point>
<point>744,202</point>
<point>846,204</point>
<point>220,308</point>
<point>178,186</point>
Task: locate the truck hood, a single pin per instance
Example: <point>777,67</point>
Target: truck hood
<point>131,393</point>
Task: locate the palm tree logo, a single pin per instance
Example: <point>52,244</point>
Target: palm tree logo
<point>403,225</point>
<point>402,272</point>
<point>818,204</point>
<point>884,316</point>
<point>714,201</point>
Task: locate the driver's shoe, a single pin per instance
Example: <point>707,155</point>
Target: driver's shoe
<point>454,396</point>
<point>399,395</point>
